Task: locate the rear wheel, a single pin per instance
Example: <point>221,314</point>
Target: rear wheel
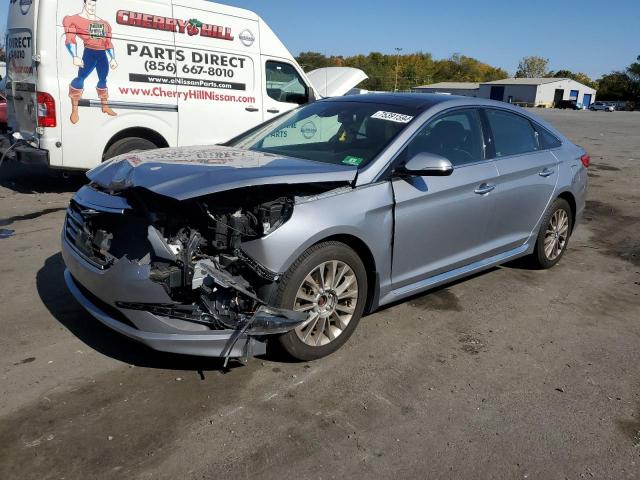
<point>329,282</point>
<point>127,145</point>
<point>554,234</point>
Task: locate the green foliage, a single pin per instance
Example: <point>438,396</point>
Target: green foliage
<point>532,67</point>
<point>578,77</point>
<point>621,85</point>
<point>614,86</point>
<point>413,69</point>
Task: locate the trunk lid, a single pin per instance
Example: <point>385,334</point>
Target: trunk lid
<point>335,81</point>
<point>22,108</point>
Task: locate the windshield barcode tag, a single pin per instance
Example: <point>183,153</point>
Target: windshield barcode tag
<point>392,117</point>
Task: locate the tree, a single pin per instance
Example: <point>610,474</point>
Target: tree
<point>532,67</point>
<point>413,69</point>
<point>312,60</point>
<point>578,77</point>
<point>614,86</point>
<point>621,85</point>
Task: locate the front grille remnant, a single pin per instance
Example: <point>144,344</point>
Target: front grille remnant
<point>86,242</point>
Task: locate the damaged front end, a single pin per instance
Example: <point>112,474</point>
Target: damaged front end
<point>180,264</point>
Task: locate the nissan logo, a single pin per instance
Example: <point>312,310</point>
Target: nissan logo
<point>247,38</point>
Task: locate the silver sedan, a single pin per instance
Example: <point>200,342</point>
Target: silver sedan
<point>289,233</point>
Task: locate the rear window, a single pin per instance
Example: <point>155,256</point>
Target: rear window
<point>547,140</point>
<point>512,134</point>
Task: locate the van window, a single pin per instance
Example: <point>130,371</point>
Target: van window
<point>284,84</point>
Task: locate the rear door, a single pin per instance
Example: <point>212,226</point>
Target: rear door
<point>21,67</point>
<point>528,177</point>
<point>218,75</point>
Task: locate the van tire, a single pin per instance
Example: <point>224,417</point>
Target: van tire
<point>127,145</point>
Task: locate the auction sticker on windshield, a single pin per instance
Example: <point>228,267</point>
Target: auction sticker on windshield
<point>355,161</point>
<point>392,117</point>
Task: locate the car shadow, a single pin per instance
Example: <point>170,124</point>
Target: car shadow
<point>444,288</point>
<point>30,179</point>
<point>64,308</point>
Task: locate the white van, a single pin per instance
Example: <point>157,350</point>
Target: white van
<point>88,80</point>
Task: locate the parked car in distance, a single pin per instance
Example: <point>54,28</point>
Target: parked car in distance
<point>292,231</point>
<point>569,104</point>
<point>601,106</point>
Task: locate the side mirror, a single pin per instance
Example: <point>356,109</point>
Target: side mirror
<point>427,165</point>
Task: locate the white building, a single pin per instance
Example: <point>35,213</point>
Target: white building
<point>533,92</point>
<point>537,92</point>
<point>467,89</point>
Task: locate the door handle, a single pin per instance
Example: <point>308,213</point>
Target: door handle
<point>547,172</point>
<point>273,110</point>
<point>252,109</point>
<point>485,188</point>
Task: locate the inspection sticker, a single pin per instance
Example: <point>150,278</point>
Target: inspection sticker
<point>349,160</point>
<point>392,117</point>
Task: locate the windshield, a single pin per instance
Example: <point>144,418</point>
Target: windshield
<point>347,133</point>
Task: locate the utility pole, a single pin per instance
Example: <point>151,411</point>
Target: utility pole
<point>395,89</point>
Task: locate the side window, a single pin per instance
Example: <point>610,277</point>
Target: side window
<point>512,134</point>
<point>456,136</point>
<point>547,140</point>
<point>284,84</point>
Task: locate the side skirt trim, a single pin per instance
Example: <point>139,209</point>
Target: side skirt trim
<point>446,277</point>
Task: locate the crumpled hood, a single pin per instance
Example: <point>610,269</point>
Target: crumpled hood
<point>191,172</point>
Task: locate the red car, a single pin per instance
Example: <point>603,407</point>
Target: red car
<point>3,113</point>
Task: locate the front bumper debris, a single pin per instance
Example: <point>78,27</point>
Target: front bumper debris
<point>125,299</point>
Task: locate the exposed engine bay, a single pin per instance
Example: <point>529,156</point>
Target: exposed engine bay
<point>194,250</point>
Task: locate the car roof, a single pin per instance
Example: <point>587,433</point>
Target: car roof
<point>424,101</point>
<point>418,101</point>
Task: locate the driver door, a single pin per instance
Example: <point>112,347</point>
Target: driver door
<point>441,222</point>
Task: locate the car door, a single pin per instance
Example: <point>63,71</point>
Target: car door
<point>441,222</point>
<point>528,177</point>
<point>283,89</point>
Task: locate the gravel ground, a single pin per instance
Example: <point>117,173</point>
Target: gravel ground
<point>510,374</point>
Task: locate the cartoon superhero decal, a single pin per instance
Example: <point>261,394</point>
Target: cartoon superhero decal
<point>98,55</point>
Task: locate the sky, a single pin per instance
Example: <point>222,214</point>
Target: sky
<point>589,36</point>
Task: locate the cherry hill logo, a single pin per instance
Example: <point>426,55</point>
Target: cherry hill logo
<point>191,27</point>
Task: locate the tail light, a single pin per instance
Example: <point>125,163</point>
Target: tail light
<point>586,160</point>
<point>46,110</point>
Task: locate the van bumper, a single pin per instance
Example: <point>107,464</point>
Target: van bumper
<point>21,151</point>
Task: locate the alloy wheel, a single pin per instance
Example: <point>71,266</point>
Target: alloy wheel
<point>557,233</point>
<point>329,293</point>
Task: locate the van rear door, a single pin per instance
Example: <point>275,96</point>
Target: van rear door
<point>22,108</point>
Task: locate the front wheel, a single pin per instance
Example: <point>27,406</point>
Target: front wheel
<point>329,282</point>
<point>554,235</point>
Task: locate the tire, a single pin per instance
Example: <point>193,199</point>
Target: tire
<point>127,145</point>
<point>559,213</point>
<point>313,340</point>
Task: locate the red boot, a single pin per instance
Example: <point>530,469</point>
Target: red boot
<point>75,94</point>
<point>103,95</point>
